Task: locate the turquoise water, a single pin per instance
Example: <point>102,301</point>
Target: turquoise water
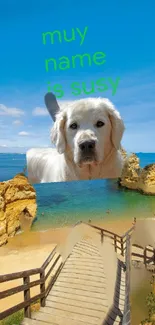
<point>66,203</point>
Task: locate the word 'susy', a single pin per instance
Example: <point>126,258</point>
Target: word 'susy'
<point>79,88</point>
<point>65,63</point>
<point>75,32</point>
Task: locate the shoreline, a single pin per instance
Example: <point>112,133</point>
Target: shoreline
<point>38,239</point>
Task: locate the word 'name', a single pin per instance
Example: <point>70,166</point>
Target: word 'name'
<point>65,63</point>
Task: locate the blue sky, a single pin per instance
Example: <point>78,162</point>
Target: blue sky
<point>123,30</point>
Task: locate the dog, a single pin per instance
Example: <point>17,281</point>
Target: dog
<point>87,134</point>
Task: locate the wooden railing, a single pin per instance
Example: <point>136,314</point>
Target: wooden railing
<point>126,315</point>
<point>120,244</point>
<point>118,241</point>
<point>54,258</point>
<point>147,255</point>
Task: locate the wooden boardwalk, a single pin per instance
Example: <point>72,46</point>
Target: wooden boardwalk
<point>84,292</point>
<point>85,281</point>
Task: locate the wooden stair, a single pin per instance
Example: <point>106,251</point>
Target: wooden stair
<point>79,295</point>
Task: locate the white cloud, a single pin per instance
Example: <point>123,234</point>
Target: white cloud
<point>38,111</point>
<point>15,112</point>
<point>17,122</point>
<point>23,133</point>
<point>3,145</point>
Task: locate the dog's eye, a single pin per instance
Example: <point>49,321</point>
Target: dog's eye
<point>73,126</point>
<point>99,124</point>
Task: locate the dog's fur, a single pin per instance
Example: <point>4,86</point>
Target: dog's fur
<point>90,151</point>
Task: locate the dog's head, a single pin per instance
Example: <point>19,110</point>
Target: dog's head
<point>88,128</point>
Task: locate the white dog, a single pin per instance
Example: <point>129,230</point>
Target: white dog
<point>87,134</point>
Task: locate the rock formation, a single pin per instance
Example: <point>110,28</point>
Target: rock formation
<point>131,172</point>
<point>147,179</point>
<point>136,178</point>
<point>123,152</point>
<point>17,206</point>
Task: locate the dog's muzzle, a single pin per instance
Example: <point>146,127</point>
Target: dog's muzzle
<point>87,151</point>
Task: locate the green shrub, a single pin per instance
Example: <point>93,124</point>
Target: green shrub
<point>14,319</point>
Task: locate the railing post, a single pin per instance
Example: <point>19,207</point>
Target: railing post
<point>27,309</point>
<point>145,256</point>
<point>115,243</point>
<point>126,314</point>
<point>122,247</point>
<point>101,236</point>
<point>42,288</point>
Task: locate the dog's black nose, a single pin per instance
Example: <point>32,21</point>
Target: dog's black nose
<point>87,145</point>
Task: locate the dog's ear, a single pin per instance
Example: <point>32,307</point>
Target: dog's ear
<point>117,125</point>
<point>51,105</point>
<point>58,132</point>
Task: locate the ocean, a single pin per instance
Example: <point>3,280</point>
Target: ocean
<point>62,204</point>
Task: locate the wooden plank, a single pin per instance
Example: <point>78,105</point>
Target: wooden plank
<point>83,267</point>
<point>83,271</point>
<point>71,314</point>
<point>88,259</point>
<point>84,243</point>
<point>78,291</point>
<point>88,277</point>
<point>28,321</point>
<point>95,284</point>
<point>60,320</point>
<point>85,263</point>
<point>74,309</point>
<point>83,250</point>
<point>89,243</point>
<point>77,303</point>
<point>79,286</point>
<point>87,249</point>
<point>101,300</point>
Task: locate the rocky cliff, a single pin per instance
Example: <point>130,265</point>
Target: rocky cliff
<point>136,178</point>
<point>17,206</point>
<point>123,153</point>
<point>131,172</point>
<point>147,179</point>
